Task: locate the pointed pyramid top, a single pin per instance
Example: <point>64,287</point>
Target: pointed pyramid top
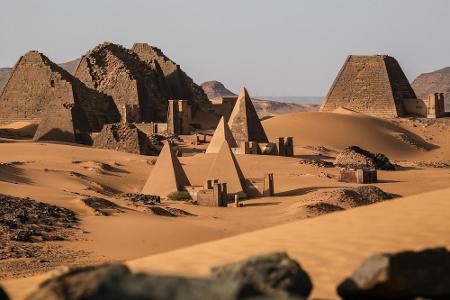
<point>244,121</point>
<point>226,169</point>
<point>167,175</point>
<point>221,134</point>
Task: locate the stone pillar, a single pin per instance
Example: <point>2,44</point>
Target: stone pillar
<point>289,146</point>
<point>217,194</point>
<point>224,195</point>
<point>245,148</point>
<point>253,148</point>
<point>268,185</point>
<point>279,142</point>
<point>172,117</point>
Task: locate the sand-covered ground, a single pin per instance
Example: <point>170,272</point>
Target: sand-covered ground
<point>328,246</point>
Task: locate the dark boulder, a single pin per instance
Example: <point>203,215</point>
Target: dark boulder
<point>274,274</point>
<point>3,295</point>
<point>355,157</point>
<point>114,282</point>
<point>403,275</point>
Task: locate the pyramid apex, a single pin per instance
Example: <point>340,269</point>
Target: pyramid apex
<point>222,134</point>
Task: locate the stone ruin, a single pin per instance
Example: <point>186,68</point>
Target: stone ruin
<point>38,89</point>
<point>178,117</point>
<point>360,176</point>
<point>213,193</point>
<point>126,138</point>
<point>376,85</point>
<point>180,85</point>
<point>119,73</point>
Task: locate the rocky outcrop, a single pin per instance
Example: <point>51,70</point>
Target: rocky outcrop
<point>355,157</point>
<point>180,85</point>
<point>403,275</point>
<point>273,274</point>
<point>434,82</point>
<point>133,85</point>
<point>50,92</point>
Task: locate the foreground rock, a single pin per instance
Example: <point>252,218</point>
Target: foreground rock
<point>355,157</point>
<point>117,282</point>
<point>404,275</point>
<point>274,274</point>
<point>3,295</point>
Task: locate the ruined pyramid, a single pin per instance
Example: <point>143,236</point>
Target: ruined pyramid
<point>181,86</point>
<point>38,89</point>
<point>167,175</point>
<point>119,73</point>
<point>226,169</point>
<point>374,85</point>
<point>221,134</point>
<point>244,122</point>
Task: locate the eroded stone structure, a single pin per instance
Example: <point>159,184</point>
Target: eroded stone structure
<point>221,134</point>
<point>360,176</point>
<point>376,85</point>
<point>178,117</point>
<point>213,193</point>
<point>180,85</point>
<point>120,73</point>
<point>124,137</point>
<point>38,89</point>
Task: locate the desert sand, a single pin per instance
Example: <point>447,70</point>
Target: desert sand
<point>328,247</point>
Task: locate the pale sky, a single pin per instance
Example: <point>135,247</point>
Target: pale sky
<point>275,48</point>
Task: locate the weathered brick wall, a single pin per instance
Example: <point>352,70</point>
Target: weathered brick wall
<point>374,85</point>
<point>119,73</point>
<point>181,86</point>
<point>38,87</point>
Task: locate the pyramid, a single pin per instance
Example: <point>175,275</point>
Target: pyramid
<point>119,73</point>
<point>374,85</point>
<point>181,86</point>
<point>39,89</point>
<point>221,134</point>
<point>244,121</point>
<point>226,169</point>
<point>167,175</point>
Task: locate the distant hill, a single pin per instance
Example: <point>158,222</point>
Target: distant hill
<point>214,89</point>
<point>264,108</point>
<point>437,81</point>
<point>70,66</point>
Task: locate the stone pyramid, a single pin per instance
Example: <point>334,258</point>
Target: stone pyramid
<point>39,89</point>
<point>374,85</point>
<point>226,169</point>
<point>167,175</point>
<point>121,74</point>
<point>221,134</point>
<point>244,121</point>
<point>181,86</point>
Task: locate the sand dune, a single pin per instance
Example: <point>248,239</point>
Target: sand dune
<point>338,130</point>
<point>328,247</point>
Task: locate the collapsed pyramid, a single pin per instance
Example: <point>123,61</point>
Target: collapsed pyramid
<point>167,175</point>
<point>221,134</point>
<point>374,85</point>
<point>226,169</point>
<point>244,122</point>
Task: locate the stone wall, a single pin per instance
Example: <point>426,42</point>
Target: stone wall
<point>119,73</point>
<point>374,85</point>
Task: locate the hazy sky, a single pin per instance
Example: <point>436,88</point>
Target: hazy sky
<point>283,48</point>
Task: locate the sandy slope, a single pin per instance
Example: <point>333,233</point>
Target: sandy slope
<point>328,247</point>
<point>339,130</point>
